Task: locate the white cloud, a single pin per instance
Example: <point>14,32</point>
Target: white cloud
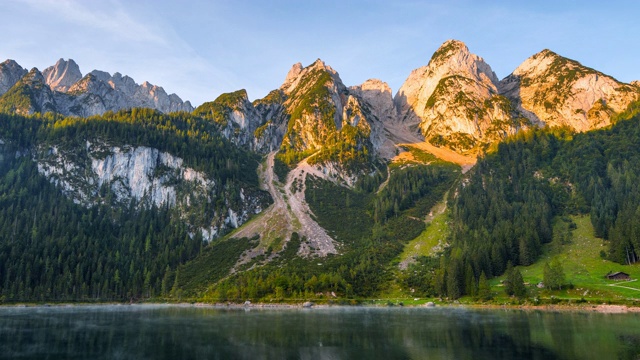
<point>109,17</point>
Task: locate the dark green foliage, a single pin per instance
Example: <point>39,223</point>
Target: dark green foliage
<point>281,169</point>
<point>553,275</point>
<point>367,247</point>
<point>514,284</point>
<point>503,212</point>
<point>484,289</point>
<point>417,187</point>
<point>222,106</point>
<point>340,210</point>
<point>420,276</point>
<point>53,249</point>
<point>214,263</point>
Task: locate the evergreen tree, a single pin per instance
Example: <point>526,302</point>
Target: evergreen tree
<point>484,289</point>
<point>519,289</point>
<point>553,275</point>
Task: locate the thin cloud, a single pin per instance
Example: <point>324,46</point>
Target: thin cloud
<point>109,17</point>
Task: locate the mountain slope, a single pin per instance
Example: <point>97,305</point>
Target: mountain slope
<point>62,75</point>
<point>10,74</point>
<point>454,101</point>
<point>324,117</point>
<point>62,89</point>
<point>555,91</point>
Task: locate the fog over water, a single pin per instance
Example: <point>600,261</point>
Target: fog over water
<point>186,332</point>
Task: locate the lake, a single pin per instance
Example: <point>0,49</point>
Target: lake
<point>186,332</point>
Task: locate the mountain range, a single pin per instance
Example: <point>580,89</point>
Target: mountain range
<point>63,89</point>
<point>455,101</point>
<point>317,188</point>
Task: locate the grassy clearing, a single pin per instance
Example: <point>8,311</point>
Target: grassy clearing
<point>427,243</point>
<point>583,266</point>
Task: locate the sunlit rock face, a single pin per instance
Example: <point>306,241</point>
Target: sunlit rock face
<point>454,101</point>
<point>62,75</point>
<point>555,91</point>
<point>62,89</point>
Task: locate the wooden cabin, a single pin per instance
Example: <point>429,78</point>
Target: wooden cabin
<point>618,276</point>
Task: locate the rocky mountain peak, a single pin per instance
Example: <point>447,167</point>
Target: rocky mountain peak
<point>61,88</point>
<point>556,91</point>
<point>10,74</point>
<point>34,76</point>
<point>297,73</point>
<point>454,100</point>
<point>62,75</point>
<point>448,49</point>
<point>292,75</point>
<point>537,64</point>
<point>377,94</point>
<point>453,57</point>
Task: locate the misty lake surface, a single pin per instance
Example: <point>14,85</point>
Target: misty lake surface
<point>186,332</point>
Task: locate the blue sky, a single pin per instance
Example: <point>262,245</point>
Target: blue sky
<point>200,49</point>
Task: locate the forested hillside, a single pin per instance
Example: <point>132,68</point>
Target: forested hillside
<point>371,228</point>
<point>54,249</point>
<point>504,210</point>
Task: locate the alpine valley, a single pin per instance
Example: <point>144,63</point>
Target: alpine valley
<point>461,185</point>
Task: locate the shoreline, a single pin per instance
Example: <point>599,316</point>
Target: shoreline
<point>592,308</point>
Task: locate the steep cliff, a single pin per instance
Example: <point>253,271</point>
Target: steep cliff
<point>62,75</point>
<point>10,74</point>
<point>454,101</point>
<point>555,91</point>
<point>62,89</point>
<point>324,119</point>
<point>146,177</point>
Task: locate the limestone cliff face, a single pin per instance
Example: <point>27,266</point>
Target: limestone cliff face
<point>62,75</point>
<point>320,107</point>
<point>454,101</point>
<point>67,92</point>
<point>98,92</point>
<point>315,104</point>
<point>10,74</point>
<point>376,96</point>
<point>273,122</point>
<point>147,177</point>
<point>312,112</point>
<point>29,95</point>
<point>237,118</point>
<point>555,91</point>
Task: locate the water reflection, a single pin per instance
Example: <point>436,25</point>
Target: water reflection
<point>157,332</point>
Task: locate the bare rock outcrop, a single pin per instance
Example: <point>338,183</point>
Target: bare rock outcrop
<point>555,91</point>
<point>62,75</point>
<point>67,92</point>
<point>454,101</point>
<point>10,74</point>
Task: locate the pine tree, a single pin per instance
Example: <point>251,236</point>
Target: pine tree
<point>519,290</point>
<point>553,275</point>
<point>484,289</point>
<point>509,287</point>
